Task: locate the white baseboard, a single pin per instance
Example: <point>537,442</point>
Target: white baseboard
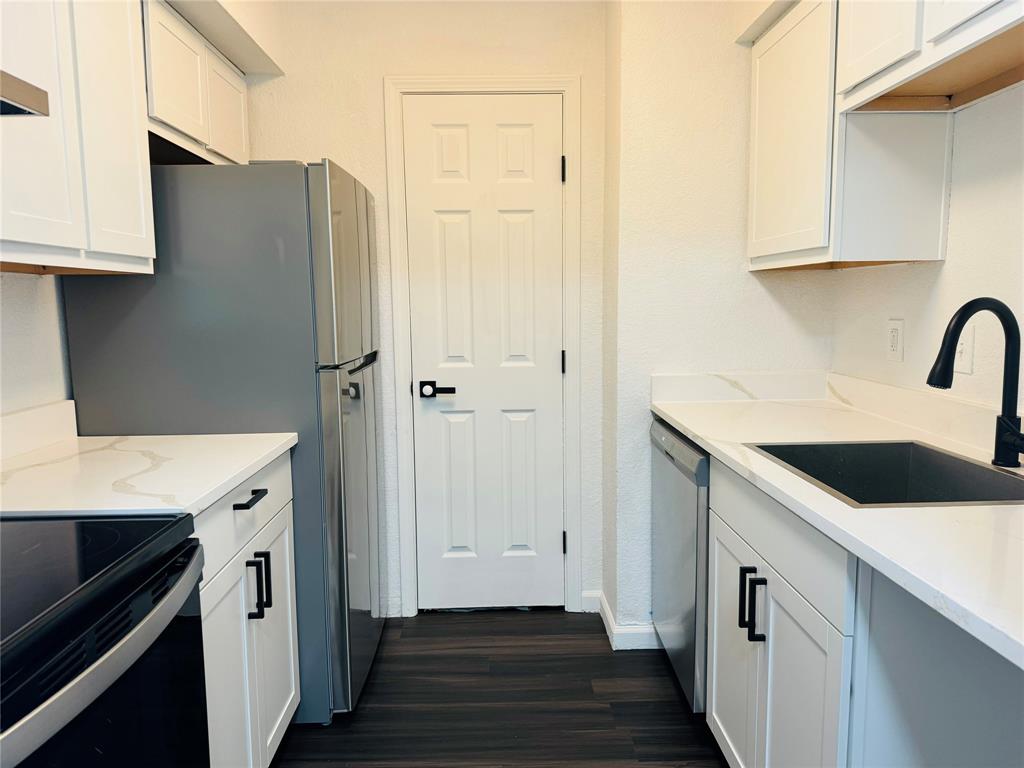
<point>590,600</point>
<point>626,637</point>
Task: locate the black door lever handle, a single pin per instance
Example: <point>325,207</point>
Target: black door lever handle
<point>430,389</point>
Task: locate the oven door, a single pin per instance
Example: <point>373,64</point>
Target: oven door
<point>143,702</point>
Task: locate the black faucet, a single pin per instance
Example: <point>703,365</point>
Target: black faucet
<point>1009,440</point>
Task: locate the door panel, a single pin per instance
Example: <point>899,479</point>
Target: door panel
<point>805,663</point>
<point>115,149</point>
<point>484,203</point>
<point>42,195</point>
<point>732,658</point>
<point>230,666</point>
<point>275,639</point>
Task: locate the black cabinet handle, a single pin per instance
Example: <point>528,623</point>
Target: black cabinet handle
<point>259,613</point>
<point>430,389</point>
<point>745,570</point>
<point>264,555</point>
<point>752,635</point>
<point>257,494</point>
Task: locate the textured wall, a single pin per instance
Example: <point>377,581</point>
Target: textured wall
<point>610,304</point>
<point>33,366</point>
<point>330,103</point>
<point>686,302</point>
<point>984,257</point>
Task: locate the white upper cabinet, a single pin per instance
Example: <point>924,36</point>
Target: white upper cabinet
<point>229,116</point>
<point>874,36</point>
<point>941,16</point>
<point>115,147</point>
<point>197,99</point>
<point>791,131</point>
<point>176,71</point>
<point>42,197</point>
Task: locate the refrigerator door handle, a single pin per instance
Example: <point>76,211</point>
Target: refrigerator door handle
<point>364,362</point>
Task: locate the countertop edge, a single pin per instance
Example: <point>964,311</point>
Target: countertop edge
<point>961,615</point>
<point>212,495</point>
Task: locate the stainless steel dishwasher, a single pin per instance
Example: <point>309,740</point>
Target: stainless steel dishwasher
<point>679,556</point>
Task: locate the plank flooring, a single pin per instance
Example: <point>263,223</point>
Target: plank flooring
<point>509,688</point>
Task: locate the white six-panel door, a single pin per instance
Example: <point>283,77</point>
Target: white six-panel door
<point>484,217</point>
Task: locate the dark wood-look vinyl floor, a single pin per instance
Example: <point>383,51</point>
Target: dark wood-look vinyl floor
<point>509,688</point>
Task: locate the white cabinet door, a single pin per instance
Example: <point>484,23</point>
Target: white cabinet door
<point>229,117</point>
<point>274,636</point>
<point>941,16</point>
<point>176,70</point>
<point>115,142</point>
<point>732,658</point>
<point>803,686</point>
<point>873,36</point>
<point>792,85</point>
<point>230,664</point>
<point>42,196</point>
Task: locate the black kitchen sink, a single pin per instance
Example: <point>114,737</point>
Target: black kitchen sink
<point>894,473</point>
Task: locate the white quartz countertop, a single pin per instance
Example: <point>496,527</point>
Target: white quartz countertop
<point>967,562</point>
<point>138,474</point>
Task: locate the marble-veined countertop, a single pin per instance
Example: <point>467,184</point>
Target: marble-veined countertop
<point>967,562</point>
<point>136,474</point>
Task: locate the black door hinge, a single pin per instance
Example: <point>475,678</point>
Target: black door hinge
<point>565,545</point>
<point>410,389</point>
<point>563,169</point>
<point>563,362</point>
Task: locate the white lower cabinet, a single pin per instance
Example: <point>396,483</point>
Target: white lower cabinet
<point>778,671</point>
<point>250,646</point>
<point>275,638</point>
<point>803,682</point>
<point>733,674</point>
<point>230,666</point>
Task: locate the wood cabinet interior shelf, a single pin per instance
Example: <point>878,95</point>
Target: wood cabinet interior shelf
<point>990,66</point>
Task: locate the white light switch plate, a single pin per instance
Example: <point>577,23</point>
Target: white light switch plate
<point>964,360</point>
<point>894,340</point>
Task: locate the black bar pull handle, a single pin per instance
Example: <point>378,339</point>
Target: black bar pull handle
<point>257,494</point>
<point>430,389</point>
<point>264,555</point>
<point>745,570</point>
<point>752,634</point>
<point>259,613</point>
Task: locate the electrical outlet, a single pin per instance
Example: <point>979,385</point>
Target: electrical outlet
<point>963,362</point>
<point>894,340</point>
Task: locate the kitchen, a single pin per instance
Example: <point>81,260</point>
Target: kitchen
<point>709,189</point>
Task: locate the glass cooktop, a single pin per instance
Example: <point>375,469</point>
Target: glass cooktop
<point>47,563</point>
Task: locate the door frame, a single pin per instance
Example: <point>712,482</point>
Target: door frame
<point>395,88</point>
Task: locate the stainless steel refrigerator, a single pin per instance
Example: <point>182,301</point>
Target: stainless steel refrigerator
<point>261,317</point>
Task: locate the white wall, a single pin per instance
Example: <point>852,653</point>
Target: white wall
<point>330,103</point>
<point>33,363</point>
<point>984,257</point>
<point>610,304</point>
<point>685,300</point>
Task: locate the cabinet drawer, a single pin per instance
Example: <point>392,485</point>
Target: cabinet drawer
<point>821,571</point>
<point>224,530</point>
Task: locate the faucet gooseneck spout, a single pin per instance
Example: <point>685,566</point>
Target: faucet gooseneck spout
<point>1009,442</point>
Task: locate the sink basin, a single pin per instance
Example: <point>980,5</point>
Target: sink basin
<point>895,473</point>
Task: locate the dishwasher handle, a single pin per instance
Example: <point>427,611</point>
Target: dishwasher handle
<point>688,459</point>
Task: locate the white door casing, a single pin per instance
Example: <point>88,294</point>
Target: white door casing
<point>484,218</point>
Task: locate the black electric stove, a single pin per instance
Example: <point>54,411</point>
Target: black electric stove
<point>101,658</point>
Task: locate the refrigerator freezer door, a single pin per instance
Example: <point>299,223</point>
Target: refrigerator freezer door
<point>337,272</point>
<point>362,559</point>
<point>331,408</point>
